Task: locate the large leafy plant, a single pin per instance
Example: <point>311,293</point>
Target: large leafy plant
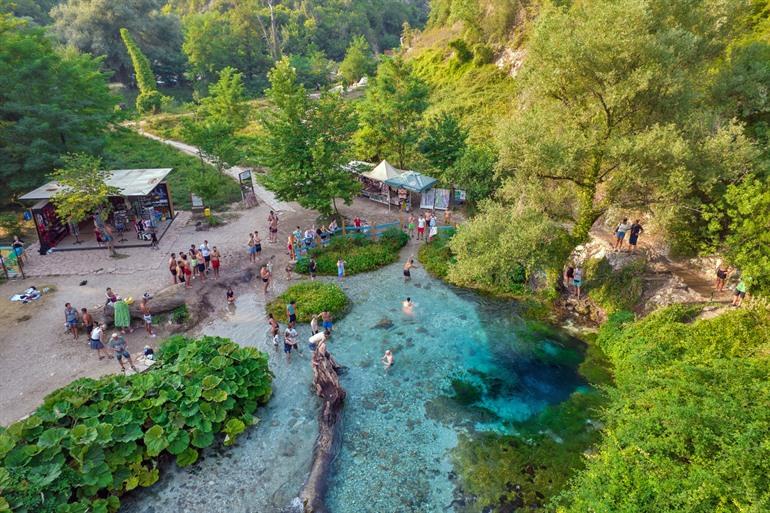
<point>93,440</point>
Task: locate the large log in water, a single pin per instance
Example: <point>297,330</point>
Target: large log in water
<point>327,385</point>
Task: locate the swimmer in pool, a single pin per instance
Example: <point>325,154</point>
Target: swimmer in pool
<point>407,306</point>
<point>387,360</point>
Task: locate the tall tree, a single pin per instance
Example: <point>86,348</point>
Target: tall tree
<point>93,26</point>
<point>84,187</point>
<point>391,113</point>
<point>52,102</point>
<point>443,142</point>
<point>217,119</point>
<point>616,115</point>
<point>358,61</point>
<point>306,143</point>
<point>149,98</point>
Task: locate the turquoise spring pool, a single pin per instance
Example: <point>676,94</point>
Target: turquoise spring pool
<point>463,364</point>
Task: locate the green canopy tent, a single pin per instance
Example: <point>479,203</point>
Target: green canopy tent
<point>412,181</point>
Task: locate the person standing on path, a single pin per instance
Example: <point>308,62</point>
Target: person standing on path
<point>569,276</point>
<point>290,341</point>
<point>88,320</point>
<point>272,223</point>
<point>96,341</point>
<point>147,317</point>
<point>252,248</point>
<point>257,246</point>
<point>206,252</point>
<point>433,225</point>
<point>340,269</point>
<point>118,344</point>
<point>620,233</point>
<point>357,223</point>
<point>184,270</point>
<point>410,224</point>
<point>71,319</point>
<point>314,325</point>
<point>201,265</point>
<point>216,260</point>
<point>193,260</point>
<point>722,274</point>
<point>421,227</point>
<point>173,268</point>
<point>633,235</point>
<point>740,293</point>
<point>577,281</point>
<point>265,275</point>
<point>312,268</point>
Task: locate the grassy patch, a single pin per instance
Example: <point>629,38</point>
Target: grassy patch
<point>312,297</point>
<point>126,149</point>
<point>361,253</point>
<point>614,290</point>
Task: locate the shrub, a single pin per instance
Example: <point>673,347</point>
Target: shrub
<point>180,314</point>
<point>149,103</point>
<point>360,252</point>
<point>462,52</point>
<point>437,256</point>
<point>312,297</point>
<point>614,290</point>
<point>482,54</point>
<point>93,440</point>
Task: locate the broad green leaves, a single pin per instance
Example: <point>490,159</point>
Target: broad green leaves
<point>96,439</point>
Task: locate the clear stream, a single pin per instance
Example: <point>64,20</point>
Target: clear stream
<point>462,364</point>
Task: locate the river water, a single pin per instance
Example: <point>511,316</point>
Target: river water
<point>462,364</point>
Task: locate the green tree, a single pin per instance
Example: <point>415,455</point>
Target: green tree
<point>611,116</point>
<point>52,102</point>
<point>474,172</point>
<point>149,99</point>
<point>747,244</point>
<point>213,129</point>
<point>313,69</point>
<point>391,113</point>
<point>93,26</point>
<point>358,61</point>
<point>306,143</point>
<point>443,142</point>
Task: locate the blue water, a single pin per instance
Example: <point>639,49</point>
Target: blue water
<point>399,427</point>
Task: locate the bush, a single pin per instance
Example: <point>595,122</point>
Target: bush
<point>180,314</point>
<point>436,257</point>
<point>686,429</point>
<point>10,225</point>
<point>149,102</point>
<point>614,290</point>
<point>93,440</point>
<point>312,297</point>
<point>462,52</point>
<point>482,54</point>
<point>360,252</point>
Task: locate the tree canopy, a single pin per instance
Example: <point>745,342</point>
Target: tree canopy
<point>358,61</point>
<point>306,143</point>
<point>84,187</point>
<point>52,102</point>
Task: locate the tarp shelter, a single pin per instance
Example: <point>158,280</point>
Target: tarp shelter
<point>383,172</point>
<point>373,179</point>
<point>143,195</point>
<point>412,181</point>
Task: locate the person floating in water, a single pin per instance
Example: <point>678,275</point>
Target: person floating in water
<point>408,266</point>
<point>387,359</point>
<point>407,306</point>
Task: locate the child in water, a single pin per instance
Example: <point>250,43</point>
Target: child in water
<point>387,360</point>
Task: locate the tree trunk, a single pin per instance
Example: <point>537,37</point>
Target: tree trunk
<point>327,385</point>
<point>586,203</point>
<point>166,300</point>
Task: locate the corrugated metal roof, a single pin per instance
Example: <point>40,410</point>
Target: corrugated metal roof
<point>130,182</point>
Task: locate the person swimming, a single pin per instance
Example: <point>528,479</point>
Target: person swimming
<point>387,359</point>
<point>407,306</point>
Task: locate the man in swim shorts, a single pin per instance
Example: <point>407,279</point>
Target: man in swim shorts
<point>326,318</point>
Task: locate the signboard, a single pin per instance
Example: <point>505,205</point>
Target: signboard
<point>196,201</point>
<point>247,187</point>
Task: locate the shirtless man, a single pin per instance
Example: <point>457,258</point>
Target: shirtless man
<point>408,266</point>
<point>265,275</point>
<point>272,222</point>
<point>274,329</point>
<point>172,267</point>
<point>326,319</point>
<point>147,317</point>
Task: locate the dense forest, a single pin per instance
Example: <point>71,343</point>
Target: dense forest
<point>552,115</point>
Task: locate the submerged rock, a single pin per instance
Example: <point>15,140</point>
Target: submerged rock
<point>383,324</point>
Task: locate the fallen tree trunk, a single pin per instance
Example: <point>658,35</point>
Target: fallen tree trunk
<point>165,300</point>
<point>327,385</point>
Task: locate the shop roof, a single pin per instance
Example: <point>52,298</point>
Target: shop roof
<point>130,182</point>
<point>383,171</point>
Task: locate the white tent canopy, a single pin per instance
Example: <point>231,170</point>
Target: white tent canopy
<point>383,171</point>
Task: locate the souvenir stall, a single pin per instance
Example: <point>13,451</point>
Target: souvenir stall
<point>143,206</point>
<point>418,184</point>
<point>374,186</point>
